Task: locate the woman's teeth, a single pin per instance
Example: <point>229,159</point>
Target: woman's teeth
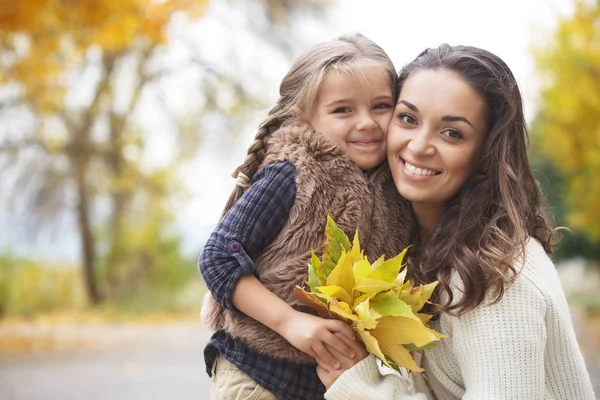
<point>419,171</point>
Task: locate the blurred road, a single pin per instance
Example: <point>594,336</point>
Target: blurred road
<point>147,362</point>
<point>161,362</point>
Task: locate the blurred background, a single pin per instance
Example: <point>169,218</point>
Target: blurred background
<point>122,120</point>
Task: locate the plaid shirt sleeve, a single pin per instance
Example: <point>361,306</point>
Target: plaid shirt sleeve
<point>250,225</point>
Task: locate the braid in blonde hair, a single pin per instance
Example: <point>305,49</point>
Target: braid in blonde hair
<point>257,150</point>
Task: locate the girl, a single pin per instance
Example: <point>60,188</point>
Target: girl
<point>320,151</point>
<point>457,149</point>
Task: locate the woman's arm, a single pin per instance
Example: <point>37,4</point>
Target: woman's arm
<point>363,381</point>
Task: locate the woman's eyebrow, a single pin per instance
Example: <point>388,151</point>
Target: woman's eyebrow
<point>454,118</point>
<point>409,105</point>
<point>448,118</point>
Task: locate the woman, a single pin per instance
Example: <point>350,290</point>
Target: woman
<point>457,148</point>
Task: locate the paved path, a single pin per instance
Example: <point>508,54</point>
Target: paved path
<point>146,363</point>
<point>150,363</point>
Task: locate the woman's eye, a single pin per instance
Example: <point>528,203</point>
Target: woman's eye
<point>452,134</point>
<point>342,110</point>
<point>407,119</point>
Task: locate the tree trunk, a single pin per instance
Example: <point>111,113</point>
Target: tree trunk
<point>119,199</point>
<point>85,232</point>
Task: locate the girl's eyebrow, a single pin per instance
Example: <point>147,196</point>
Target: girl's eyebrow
<point>448,118</point>
<point>341,101</point>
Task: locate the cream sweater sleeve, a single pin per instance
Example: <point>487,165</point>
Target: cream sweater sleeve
<point>365,382</point>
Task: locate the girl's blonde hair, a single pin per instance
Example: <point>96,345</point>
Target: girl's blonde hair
<point>299,90</point>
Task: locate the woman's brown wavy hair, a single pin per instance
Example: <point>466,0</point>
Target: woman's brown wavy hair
<point>484,228</point>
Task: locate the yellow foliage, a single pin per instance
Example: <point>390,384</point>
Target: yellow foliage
<point>568,128</point>
<point>59,32</point>
<point>372,298</point>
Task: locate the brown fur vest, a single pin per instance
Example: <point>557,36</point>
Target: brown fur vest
<point>327,182</point>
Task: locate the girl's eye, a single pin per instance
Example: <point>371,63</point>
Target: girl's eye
<point>342,110</point>
<point>407,119</point>
<point>452,134</point>
<point>382,106</point>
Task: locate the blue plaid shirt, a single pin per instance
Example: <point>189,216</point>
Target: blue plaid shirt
<point>247,229</point>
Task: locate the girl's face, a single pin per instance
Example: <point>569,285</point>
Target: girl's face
<point>355,116</point>
<point>435,137</point>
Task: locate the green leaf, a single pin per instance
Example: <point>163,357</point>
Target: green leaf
<point>388,304</point>
<point>315,272</point>
<point>336,241</point>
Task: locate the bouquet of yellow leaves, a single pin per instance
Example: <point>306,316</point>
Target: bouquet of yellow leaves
<point>374,299</point>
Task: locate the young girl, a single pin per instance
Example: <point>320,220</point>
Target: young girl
<point>457,148</point>
<point>321,151</point>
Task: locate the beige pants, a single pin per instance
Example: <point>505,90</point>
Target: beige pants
<point>229,383</point>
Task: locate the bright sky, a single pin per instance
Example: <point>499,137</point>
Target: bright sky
<point>403,28</point>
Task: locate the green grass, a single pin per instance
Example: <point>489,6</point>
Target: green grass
<point>29,288</point>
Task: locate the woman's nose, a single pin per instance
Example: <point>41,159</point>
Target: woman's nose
<point>421,144</point>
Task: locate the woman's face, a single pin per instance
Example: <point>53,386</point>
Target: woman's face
<point>435,136</point>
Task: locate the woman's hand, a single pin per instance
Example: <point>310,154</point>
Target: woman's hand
<point>319,337</point>
<point>327,375</point>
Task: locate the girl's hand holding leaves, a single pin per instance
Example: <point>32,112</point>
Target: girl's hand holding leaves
<point>373,299</point>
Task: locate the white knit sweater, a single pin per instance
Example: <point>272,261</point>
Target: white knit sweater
<point>523,347</point>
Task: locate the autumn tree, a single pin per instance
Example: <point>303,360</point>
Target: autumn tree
<point>566,130</point>
<point>74,77</point>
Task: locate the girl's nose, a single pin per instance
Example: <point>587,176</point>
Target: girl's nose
<point>366,123</point>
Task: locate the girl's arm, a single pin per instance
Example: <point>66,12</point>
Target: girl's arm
<point>307,332</point>
<point>246,230</point>
<point>228,270</point>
